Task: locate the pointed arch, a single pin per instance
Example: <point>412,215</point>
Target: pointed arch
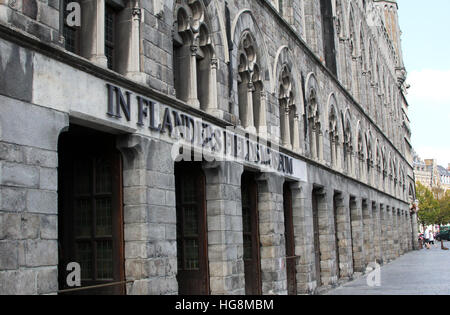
<point>194,61</point>
<point>289,118</point>
<point>348,146</point>
<point>314,117</point>
<point>361,149</point>
<point>251,67</point>
<point>333,130</point>
<point>369,155</point>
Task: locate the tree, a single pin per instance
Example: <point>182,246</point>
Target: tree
<point>428,205</point>
<point>444,209</point>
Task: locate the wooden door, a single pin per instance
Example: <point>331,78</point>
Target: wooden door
<point>193,274</point>
<point>91,210</point>
<point>315,211</point>
<point>291,259</point>
<point>252,260</point>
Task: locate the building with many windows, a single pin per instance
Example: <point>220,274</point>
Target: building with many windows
<point>201,147</point>
<point>431,175</point>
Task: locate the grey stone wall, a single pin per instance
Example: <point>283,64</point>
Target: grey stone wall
<point>38,18</point>
<point>271,230</point>
<point>149,216</point>
<point>28,197</point>
<point>225,238</point>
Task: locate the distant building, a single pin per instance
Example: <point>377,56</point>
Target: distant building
<point>422,172</point>
<point>430,174</point>
<point>444,175</point>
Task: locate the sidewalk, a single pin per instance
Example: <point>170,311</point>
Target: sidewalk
<point>424,272</point>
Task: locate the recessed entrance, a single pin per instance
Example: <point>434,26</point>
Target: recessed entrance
<point>90,216</point>
<point>291,259</point>
<point>315,211</point>
<point>252,260</point>
<point>193,274</point>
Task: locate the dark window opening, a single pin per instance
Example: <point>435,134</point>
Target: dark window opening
<point>337,207</point>
<point>193,274</point>
<point>328,35</point>
<point>113,40</point>
<point>90,210</point>
<point>252,259</point>
<point>316,196</point>
<point>291,258</point>
<point>110,35</point>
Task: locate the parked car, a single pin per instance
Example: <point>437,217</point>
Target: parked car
<point>443,235</point>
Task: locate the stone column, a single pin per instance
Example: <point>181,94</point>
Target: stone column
<point>133,65</point>
<point>211,107</point>
<point>249,117</point>
<point>332,150</point>
<point>320,147</point>
<point>93,31</point>
<point>327,238</point>
<point>192,93</point>
<point>408,238</point>
<point>262,128</point>
<point>368,233</point>
<point>149,216</point>
<point>296,133</point>
<point>377,232</point>
<point>224,216</point>
<point>344,237</point>
<point>395,232</point>
<point>389,232</point>
<point>312,144</point>
<point>304,237</point>
<point>286,136</point>
<point>271,230</point>
<point>338,157</point>
<point>384,237</point>
<point>404,234</point>
<point>359,260</point>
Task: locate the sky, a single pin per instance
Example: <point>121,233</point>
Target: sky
<point>425,27</point>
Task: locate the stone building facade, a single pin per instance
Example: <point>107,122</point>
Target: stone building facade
<point>433,176</point>
<point>201,146</point>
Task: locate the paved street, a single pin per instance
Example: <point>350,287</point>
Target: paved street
<point>424,272</point>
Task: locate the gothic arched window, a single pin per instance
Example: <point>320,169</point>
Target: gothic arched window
<point>348,147</point>
<point>334,137</point>
<point>288,109</point>
<point>315,128</point>
<point>250,84</point>
<point>194,62</point>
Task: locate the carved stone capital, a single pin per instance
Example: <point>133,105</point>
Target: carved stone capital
<point>136,13</point>
<point>214,63</point>
<point>194,50</point>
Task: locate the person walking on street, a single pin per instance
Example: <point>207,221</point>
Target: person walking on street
<point>431,239</point>
<point>426,236</point>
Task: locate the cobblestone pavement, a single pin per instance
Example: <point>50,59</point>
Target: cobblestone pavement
<point>424,272</point>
